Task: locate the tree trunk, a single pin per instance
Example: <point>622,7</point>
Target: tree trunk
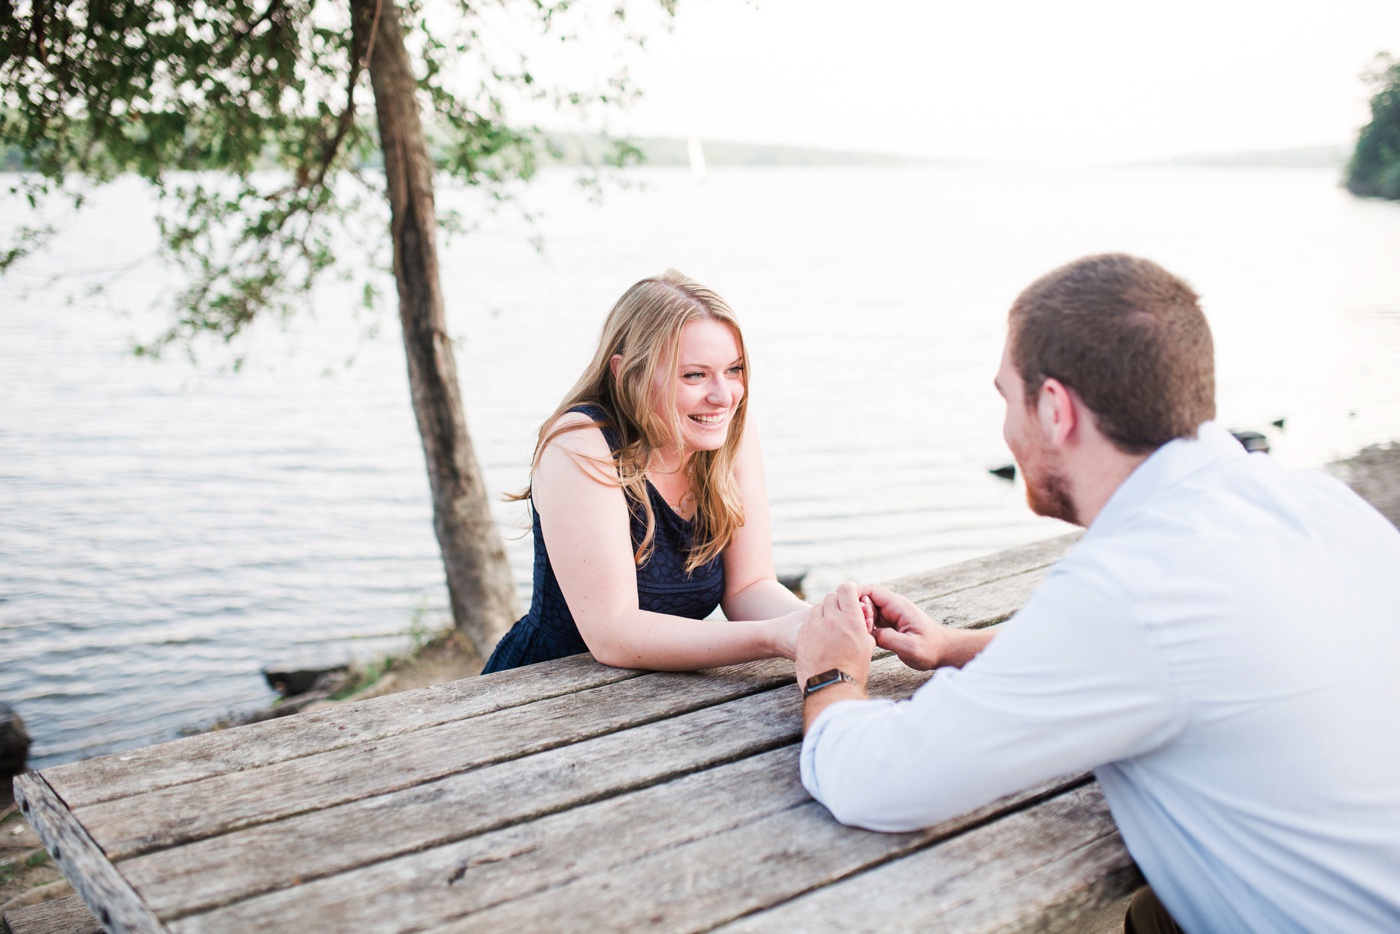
<point>478,576</point>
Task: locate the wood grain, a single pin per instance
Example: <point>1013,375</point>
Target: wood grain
<point>987,605</point>
<point>984,880</point>
<point>109,897</point>
<point>184,813</point>
<point>567,795</point>
<point>224,869</point>
<point>986,570</point>
<point>713,880</point>
<point>423,889</point>
<point>141,771</point>
<point>61,916</point>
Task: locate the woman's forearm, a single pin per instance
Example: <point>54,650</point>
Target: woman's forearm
<point>765,598</point>
<point>642,639</point>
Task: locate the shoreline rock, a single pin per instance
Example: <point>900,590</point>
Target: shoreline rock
<point>1374,473</point>
<point>14,743</point>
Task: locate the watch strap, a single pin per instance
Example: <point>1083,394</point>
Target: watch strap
<point>825,680</point>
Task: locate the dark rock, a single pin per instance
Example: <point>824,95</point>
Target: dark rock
<point>1278,423</point>
<point>290,680</point>
<point>1006,473</point>
<point>1252,441</point>
<point>14,743</point>
<point>793,582</point>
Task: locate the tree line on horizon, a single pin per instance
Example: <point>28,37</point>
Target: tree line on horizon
<point>1374,169</point>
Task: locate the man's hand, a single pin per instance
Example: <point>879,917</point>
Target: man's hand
<point>836,635</point>
<point>904,629</point>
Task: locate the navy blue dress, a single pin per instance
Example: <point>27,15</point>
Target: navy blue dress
<point>548,630</point>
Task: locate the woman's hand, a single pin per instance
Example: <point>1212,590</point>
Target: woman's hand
<point>786,630</point>
<point>904,629</point>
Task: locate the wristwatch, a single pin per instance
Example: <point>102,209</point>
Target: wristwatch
<point>825,679</point>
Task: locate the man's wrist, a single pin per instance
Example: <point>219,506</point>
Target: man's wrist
<point>813,704</point>
<point>826,679</point>
<point>963,646</point>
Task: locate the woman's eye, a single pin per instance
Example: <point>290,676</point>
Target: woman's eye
<point>736,370</point>
<point>693,376</point>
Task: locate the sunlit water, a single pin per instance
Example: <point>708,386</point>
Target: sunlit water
<point>166,528</point>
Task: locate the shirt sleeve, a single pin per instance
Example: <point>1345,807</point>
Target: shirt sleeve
<point>1071,682</point>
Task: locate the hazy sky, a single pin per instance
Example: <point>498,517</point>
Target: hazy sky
<point>1068,80</point>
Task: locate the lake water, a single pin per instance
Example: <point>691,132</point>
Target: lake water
<point>168,528</point>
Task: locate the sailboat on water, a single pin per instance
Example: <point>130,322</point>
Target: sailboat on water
<point>697,159</point>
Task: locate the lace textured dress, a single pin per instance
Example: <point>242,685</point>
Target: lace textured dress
<point>548,630</point>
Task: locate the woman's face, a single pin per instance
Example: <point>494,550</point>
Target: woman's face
<point>706,386</point>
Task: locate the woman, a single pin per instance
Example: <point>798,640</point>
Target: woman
<point>649,501</point>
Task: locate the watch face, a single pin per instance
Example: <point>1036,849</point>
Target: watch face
<point>824,677</point>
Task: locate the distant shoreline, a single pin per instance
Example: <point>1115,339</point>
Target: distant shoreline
<point>660,152</point>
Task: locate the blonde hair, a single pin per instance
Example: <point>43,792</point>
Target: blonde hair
<point>644,329</point>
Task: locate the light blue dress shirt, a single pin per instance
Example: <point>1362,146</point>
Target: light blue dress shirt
<point>1223,649</point>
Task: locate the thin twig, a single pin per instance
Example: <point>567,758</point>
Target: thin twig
<point>373,32</point>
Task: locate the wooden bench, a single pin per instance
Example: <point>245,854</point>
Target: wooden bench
<point>570,796</point>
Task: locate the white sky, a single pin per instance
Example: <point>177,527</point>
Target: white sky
<point>1066,81</point>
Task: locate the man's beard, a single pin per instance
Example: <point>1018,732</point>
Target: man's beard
<point>1047,491</point>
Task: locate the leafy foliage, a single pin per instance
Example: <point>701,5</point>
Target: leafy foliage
<point>253,123</point>
<point>1374,170</point>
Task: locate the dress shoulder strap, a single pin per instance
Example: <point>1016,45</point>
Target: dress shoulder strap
<point>605,422</point>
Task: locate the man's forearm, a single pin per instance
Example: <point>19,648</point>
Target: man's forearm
<point>963,646</point>
<point>818,701</point>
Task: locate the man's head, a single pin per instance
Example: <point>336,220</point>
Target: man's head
<point>1107,359</point>
<point>1128,337</point>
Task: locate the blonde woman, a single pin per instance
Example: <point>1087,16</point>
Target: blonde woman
<point>649,501</point>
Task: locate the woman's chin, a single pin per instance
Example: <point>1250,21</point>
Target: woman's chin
<point>702,440</point>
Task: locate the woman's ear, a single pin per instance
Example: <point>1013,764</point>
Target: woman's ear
<point>615,363</point>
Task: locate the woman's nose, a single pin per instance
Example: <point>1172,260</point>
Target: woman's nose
<point>720,393</point>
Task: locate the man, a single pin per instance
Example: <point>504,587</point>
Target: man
<point>1220,647</point>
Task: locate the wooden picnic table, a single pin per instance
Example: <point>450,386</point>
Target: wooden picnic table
<point>565,796</point>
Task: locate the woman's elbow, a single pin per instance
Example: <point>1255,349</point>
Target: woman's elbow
<point>613,657</point>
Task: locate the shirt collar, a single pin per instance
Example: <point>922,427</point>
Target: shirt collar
<point>1167,466</point>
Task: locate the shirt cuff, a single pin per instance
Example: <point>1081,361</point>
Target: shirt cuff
<point>808,762</point>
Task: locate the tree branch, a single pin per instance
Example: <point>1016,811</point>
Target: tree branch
<point>272,7</point>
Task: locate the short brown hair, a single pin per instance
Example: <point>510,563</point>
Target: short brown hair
<point>1128,337</point>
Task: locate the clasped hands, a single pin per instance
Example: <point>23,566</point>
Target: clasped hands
<point>844,629</point>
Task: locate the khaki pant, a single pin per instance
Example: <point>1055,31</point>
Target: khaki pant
<point>1147,916</point>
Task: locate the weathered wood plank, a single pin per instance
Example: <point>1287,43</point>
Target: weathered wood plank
<point>223,869</point>
<point>182,813</point>
<point>259,744</point>
<point>420,890</point>
<point>1059,896</point>
<point>1002,874</point>
<point>696,886</point>
<point>986,570</point>
<point>110,898</point>
<point>256,745</point>
<point>987,605</point>
<point>61,916</point>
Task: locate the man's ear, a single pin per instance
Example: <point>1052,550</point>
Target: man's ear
<point>1057,409</point>
<point>615,363</point>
